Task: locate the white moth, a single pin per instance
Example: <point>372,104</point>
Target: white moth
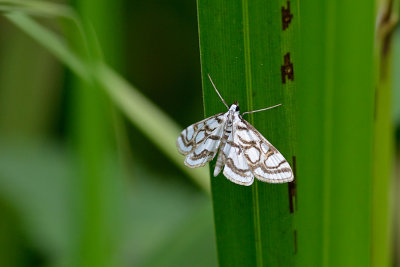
<point>242,149</point>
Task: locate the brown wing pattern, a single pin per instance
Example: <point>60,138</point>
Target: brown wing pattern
<point>200,141</point>
<point>263,159</point>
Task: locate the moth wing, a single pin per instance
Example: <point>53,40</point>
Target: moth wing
<point>265,161</point>
<point>236,168</point>
<point>200,141</point>
<point>186,141</point>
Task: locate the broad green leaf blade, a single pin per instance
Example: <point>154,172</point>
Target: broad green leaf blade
<point>335,132</point>
<point>242,45</point>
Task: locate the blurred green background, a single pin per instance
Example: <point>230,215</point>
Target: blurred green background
<point>80,185</point>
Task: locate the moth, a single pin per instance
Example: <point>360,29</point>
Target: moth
<point>243,151</point>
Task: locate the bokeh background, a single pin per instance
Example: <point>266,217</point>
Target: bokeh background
<point>64,197</point>
<point>140,210</point>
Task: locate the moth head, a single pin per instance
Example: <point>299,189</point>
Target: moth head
<point>234,107</point>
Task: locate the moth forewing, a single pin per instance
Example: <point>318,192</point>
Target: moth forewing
<point>265,161</point>
<point>200,141</point>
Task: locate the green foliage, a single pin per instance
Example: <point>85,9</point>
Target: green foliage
<point>154,123</point>
<point>242,47</point>
<point>385,104</point>
<point>151,216</point>
<point>336,119</point>
<point>102,224</point>
<point>333,127</point>
<point>93,139</point>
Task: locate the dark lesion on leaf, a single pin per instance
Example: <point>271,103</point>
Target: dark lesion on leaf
<point>286,16</point>
<point>287,69</point>
<point>292,189</point>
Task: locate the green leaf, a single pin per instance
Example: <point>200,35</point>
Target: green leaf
<point>335,100</point>
<point>385,104</point>
<point>242,47</point>
<point>97,209</point>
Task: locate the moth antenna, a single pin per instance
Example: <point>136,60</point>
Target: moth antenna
<point>223,101</point>
<point>247,112</point>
